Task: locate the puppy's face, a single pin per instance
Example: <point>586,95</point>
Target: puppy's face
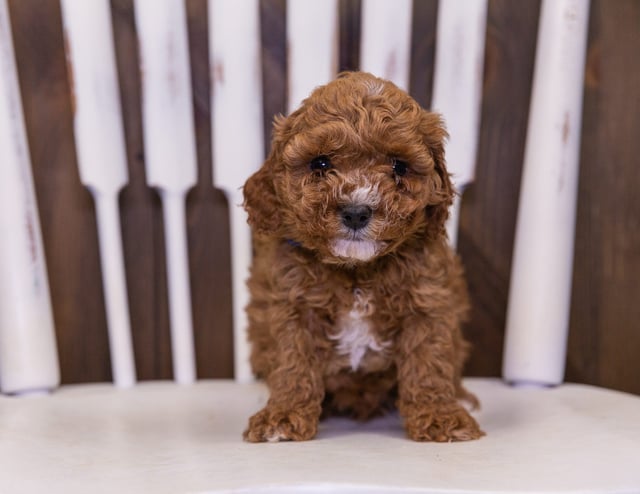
<point>353,174</point>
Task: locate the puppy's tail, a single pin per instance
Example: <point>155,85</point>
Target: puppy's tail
<point>468,397</point>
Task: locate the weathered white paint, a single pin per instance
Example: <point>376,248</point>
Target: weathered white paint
<point>182,339</point>
<point>28,354</point>
<point>457,88</point>
<point>386,39</point>
<point>238,139</point>
<point>166,438</point>
<point>101,158</point>
<point>540,289</point>
<point>312,42</point>
<point>170,154</point>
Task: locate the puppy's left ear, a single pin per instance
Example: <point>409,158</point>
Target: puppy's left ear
<point>260,200</point>
<point>441,189</point>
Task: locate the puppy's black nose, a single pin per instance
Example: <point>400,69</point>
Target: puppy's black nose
<point>355,216</point>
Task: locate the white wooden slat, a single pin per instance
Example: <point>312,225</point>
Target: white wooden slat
<point>312,42</point>
<point>170,154</point>
<point>238,138</point>
<point>540,289</point>
<point>386,39</point>
<point>28,354</point>
<point>180,308</point>
<point>102,161</point>
<point>457,89</point>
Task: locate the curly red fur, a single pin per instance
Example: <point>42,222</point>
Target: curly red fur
<point>356,319</point>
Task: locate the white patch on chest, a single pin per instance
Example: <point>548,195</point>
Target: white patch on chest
<point>354,334</point>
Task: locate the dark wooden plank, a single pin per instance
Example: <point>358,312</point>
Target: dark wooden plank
<point>274,63</point>
<point>66,207</point>
<point>349,12</point>
<point>489,205</point>
<point>141,216</point>
<point>604,340</point>
<point>208,222</point>
<point>423,43</point>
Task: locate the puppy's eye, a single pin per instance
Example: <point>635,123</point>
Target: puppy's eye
<point>320,164</point>
<point>400,167</point>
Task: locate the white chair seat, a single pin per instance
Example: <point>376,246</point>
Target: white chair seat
<point>162,437</point>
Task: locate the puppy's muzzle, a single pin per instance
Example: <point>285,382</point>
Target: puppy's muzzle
<point>355,216</point>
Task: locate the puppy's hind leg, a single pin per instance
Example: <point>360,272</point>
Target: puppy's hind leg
<point>263,345</point>
<point>359,395</point>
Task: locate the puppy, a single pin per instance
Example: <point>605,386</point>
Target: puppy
<point>356,297</point>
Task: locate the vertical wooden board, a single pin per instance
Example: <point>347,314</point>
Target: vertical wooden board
<point>141,217</point>
<point>457,89</point>
<point>101,159</point>
<point>166,104</point>
<point>490,203</point>
<point>604,338</point>
<point>423,34</point>
<point>28,352</point>
<point>66,208</point>
<point>236,80</point>
<point>386,39</point>
<point>542,267</point>
<point>274,62</point>
<point>423,42</point>
<point>583,358</point>
<point>312,60</point>
<point>97,115</point>
<point>457,85</point>
<point>207,222</point>
<point>170,155</point>
<point>237,138</point>
<point>349,22</point>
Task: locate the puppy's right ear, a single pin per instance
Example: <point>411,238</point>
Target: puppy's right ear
<point>260,200</point>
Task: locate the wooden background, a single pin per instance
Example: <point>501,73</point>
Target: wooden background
<point>604,343</point>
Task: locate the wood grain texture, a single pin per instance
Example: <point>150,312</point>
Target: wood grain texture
<point>207,221</point>
<point>489,207</point>
<point>349,12</point>
<point>141,217</point>
<point>274,63</point>
<point>66,208</point>
<point>604,338</point>
<point>604,341</point>
<point>423,43</point>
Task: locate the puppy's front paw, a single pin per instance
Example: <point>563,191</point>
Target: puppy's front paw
<point>442,423</point>
<point>274,425</point>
